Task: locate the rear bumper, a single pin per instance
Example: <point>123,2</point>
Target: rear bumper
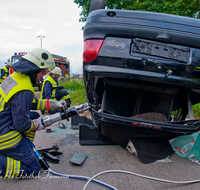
<point>121,129</point>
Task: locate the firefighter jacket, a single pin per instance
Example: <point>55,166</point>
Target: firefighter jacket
<point>16,101</point>
<point>4,73</point>
<point>49,88</point>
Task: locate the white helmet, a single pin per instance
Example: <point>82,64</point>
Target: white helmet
<point>9,63</point>
<point>57,71</point>
<point>41,58</point>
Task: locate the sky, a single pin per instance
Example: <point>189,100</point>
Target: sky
<point>21,21</point>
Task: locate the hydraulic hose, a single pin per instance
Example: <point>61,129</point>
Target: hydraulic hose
<point>139,175</point>
<point>81,178</point>
<point>47,168</point>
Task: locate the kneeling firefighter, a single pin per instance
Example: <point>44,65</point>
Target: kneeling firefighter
<point>17,123</point>
<point>51,90</point>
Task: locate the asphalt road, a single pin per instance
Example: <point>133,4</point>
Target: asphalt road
<point>101,159</point>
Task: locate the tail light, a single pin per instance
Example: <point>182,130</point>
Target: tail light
<point>91,49</point>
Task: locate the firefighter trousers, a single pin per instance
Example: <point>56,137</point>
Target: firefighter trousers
<point>20,161</point>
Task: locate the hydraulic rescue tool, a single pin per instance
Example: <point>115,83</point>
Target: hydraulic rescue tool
<point>49,120</point>
<point>65,114</point>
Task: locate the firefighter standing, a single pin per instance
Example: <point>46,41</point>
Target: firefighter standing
<point>5,71</point>
<point>17,123</point>
<point>51,90</point>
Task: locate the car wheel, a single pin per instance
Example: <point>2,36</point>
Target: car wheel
<point>97,4</point>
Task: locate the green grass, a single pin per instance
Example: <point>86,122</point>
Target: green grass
<point>77,87</point>
<point>196,111</point>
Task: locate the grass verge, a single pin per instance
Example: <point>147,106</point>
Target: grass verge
<point>77,90</point>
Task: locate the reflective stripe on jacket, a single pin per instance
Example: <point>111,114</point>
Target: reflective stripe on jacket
<point>12,85</point>
<point>10,139</point>
<point>54,85</point>
<point>8,88</point>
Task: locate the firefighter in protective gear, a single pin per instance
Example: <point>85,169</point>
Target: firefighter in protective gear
<point>51,90</point>
<point>17,123</point>
<point>5,71</point>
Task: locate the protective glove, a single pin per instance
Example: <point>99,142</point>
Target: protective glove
<point>38,124</point>
<point>54,105</point>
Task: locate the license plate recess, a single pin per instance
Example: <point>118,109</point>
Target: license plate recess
<point>160,50</point>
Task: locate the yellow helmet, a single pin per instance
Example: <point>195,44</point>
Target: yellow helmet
<point>9,63</point>
<point>41,58</point>
<point>57,71</point>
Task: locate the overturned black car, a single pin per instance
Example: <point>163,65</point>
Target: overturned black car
<point>142,76</point>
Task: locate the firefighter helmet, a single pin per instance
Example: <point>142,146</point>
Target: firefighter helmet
<point>41,58</point>
<point>9,63</point>
<point>57,71</point>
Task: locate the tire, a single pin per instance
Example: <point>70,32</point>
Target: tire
<point>97,4</point>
